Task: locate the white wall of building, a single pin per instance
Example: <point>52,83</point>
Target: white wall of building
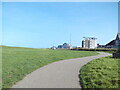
<point>89,43</point>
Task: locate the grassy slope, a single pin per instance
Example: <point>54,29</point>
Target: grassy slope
<point>0,68</point>
<point>100,73</point>
<point>18,62</point>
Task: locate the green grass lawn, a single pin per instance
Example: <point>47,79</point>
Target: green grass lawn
<point>18,62</point>
<point>100,73</point>
<point>0,68</point>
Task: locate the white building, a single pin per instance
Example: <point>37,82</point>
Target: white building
<point>65,46</point>
<point>53,47</point>
<point>89,42</point>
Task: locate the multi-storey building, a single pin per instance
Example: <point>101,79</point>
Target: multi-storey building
<point>89,42</point>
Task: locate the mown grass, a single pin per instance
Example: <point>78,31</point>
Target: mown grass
<point>109,51</point>
<point>0,67</point>
<point>18,62</point>
<point>100,73</point>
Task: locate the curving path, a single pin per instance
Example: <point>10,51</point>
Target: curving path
<point>61,74</point>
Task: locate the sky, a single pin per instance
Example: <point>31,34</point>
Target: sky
<point>0,23</point>
<point>44,24</point>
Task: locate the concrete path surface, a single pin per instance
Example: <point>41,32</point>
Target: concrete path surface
<point>61,74</point>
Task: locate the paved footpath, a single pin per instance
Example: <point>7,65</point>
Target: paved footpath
<point>61,74</point>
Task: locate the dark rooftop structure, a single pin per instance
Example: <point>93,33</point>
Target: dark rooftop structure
<point>114,43</point>
<point>118,36</point>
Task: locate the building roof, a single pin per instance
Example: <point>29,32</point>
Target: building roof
<point>118,36</point>
<point>111,43</point>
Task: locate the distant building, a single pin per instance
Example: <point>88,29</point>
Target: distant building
<point>114,43</point>
<point>83,44</point>
<point>117,41</point>
<point>89,42</point>
<point>53,47</point>
<point>76,47</point>
<point>100,46</point>
<point>111,44</point>
<point>64,46</point>
<point>60,46</point>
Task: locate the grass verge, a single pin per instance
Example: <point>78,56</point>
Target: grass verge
<point>100,73</point>
<point>0,68</point>
<point>17,62</point>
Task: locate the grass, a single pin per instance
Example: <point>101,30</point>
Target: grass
<point>18,62</point>
<point>0,68</point>
<point>110,52</point>
<point>100,73</point>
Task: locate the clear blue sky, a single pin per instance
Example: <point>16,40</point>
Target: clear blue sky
<point>40,25</point>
